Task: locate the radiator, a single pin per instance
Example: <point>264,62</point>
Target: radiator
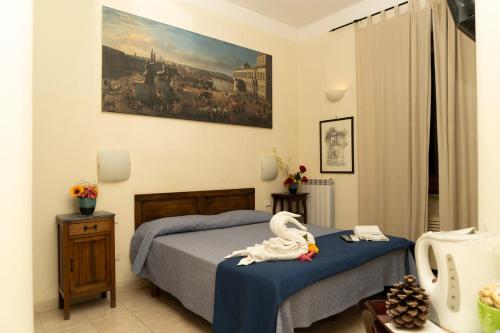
<point>433,222</point>
<point>320,202</point>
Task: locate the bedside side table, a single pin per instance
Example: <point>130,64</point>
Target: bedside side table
<point>377,321</point>
<point>86,251</point>
<point>291,199</point>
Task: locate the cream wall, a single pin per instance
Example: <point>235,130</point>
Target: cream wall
<point>167,155</point>
<point>16,303</point>
<point>328,61</point>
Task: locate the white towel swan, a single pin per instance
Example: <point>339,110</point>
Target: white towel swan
<point>289,244</point>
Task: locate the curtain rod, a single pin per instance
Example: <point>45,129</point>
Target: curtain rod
<point>361,19</point>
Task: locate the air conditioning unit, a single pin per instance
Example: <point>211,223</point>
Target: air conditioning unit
<point>464,14</point>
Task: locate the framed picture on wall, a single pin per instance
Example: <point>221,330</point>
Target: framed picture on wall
<point>154,69</point>
<point>336,144</point>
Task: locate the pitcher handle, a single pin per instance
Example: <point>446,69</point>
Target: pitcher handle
<point>425,274</point>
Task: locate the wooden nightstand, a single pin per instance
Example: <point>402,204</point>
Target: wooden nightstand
<point>291,199</point>
<point>86,247</point>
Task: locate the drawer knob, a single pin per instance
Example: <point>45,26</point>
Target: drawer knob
<point>86,227</point>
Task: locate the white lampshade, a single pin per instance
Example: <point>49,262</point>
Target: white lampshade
<point>335,95</point>
<point>113,165</point>
<point>269,168</point>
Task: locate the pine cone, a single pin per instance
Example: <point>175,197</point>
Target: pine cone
<point>408,304</point>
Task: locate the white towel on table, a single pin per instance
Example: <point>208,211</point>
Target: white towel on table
<point>289,244</point>
<point>369,232</point>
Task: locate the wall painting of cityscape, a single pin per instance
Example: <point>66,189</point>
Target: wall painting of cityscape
<point>154,69</point>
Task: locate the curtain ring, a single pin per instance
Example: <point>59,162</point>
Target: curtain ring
<point>396,8</point>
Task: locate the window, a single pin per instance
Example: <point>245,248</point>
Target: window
<point>433,140</point>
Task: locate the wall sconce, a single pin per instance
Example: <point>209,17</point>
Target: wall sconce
<point>269,167</point>
<point>113,165</point>
<point>335,95</point>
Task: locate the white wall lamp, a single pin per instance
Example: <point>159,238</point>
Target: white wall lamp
<point>269,167</point>
<point>113,165</point>
<point>335,94</point>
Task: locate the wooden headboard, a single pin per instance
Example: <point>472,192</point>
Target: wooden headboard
<point>149,207</point>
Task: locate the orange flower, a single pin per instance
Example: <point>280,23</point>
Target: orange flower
<point>313,248</point>
<point>76,191</point>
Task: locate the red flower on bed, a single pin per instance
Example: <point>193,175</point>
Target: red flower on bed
<point>302,169</point>
<point>307,257</point>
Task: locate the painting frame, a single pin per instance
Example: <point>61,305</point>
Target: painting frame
<point>346,124</point>
<point>151,68</point>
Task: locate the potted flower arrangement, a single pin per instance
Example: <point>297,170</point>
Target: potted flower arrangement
<point>292,180</point>
<point>86,194</point>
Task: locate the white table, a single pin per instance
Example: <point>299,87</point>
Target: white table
<point>429,327</point>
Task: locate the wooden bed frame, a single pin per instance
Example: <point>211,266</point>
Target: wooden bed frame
<point>149,207</point>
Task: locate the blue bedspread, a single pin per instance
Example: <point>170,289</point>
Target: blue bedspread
<point>247,298</point>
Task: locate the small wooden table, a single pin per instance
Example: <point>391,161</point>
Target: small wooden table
<point>291,199</point>
<point>377,321</point>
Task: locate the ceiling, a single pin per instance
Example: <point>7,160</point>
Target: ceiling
<point>295,13</point>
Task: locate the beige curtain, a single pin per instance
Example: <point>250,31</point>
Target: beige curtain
<point>420,111</point>
<point>393,82</point>
<point>455,59</point>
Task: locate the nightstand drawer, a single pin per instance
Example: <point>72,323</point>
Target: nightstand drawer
<point>89,228</point>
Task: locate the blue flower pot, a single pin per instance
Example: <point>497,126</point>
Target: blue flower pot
<point>293,188</point>
<point>86,205</point>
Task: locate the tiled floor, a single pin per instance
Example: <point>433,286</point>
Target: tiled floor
<point>137,311</point>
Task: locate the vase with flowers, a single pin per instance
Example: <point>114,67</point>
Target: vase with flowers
<point>86,194</point>
<point>292,179</point>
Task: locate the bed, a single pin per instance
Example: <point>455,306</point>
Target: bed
<point>185,264</point>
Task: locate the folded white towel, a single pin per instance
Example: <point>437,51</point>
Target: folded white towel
<point>369,232</point>
<point>289,244</point>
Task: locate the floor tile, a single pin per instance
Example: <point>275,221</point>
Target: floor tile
<point>122,324</point>
<point>53,321</point>
<point>190,326</point>
<point>118,319</point>
<point>73,326</point>
<point>137,312</point>
<point>101,309</point>
<point>38,325</point>
<point>141,302</point>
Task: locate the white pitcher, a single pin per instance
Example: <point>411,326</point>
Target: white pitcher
<point>466,261</point>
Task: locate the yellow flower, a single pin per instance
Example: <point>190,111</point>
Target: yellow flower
<point>313,248</point>
<point>76,190</point>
